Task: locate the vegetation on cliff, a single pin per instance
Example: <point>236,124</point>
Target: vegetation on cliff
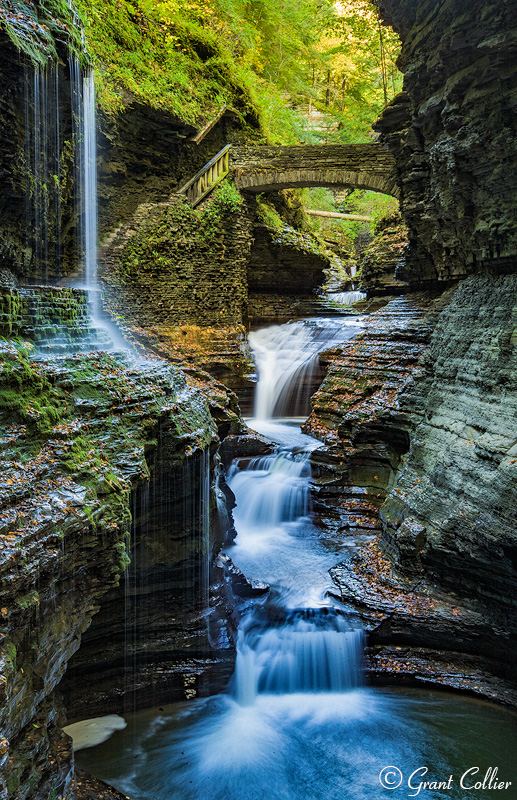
<point>270,62</point>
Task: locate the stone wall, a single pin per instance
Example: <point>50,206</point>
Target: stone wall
<point>29,243</point>
<point>282,266</point>
<point>355,413</point>
<point>182,273</point>
<point>453,133</point>
<point>453,512</point>
<point>381,258</point>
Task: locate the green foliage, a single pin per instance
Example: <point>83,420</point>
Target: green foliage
<point>268,215</point>
<point>267,60</point>
<point>285,234</point>
<point>359,201</point>
<point>227,197</point>
<point>356,75</point>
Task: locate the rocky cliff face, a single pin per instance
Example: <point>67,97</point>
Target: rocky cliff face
<point>436,586</point>
<point>453,133</point>
<point>453,512</point>
<point>381,258</point>
<point>80,433</point>
<point>182,273</point>
<point>355,412</point>
<point>420,455</point>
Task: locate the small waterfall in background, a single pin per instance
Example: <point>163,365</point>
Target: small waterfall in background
<point>286,357</point>
<point>346,298</point>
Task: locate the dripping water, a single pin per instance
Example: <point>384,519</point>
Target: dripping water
<point>43,160</point>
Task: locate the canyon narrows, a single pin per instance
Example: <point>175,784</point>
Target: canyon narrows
<point>258,492</point>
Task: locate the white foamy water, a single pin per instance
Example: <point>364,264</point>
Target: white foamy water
<point>93,731</point>
<point>347,298</point>
<point>286,357</point>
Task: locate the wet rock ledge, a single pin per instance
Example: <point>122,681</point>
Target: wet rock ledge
<point>79,434</point>
<point>421,456</point>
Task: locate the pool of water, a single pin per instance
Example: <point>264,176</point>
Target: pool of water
<point>312,746</point>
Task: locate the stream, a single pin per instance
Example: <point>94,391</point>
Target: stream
<point>297,721</point>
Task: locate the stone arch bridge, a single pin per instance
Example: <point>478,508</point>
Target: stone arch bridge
<point>359,166</point>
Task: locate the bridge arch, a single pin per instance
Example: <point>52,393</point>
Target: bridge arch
<point>359,166</point>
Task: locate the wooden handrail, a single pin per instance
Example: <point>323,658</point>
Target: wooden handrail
<point>197,188</point>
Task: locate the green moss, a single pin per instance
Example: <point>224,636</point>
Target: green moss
<point>38,29</point>
<point>27,395</point>
<point>28,600</point>
<point>285,234</point>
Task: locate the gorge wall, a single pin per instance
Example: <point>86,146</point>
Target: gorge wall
<point>425,458</point>
<point>453,134</point>
<point>80,433</point>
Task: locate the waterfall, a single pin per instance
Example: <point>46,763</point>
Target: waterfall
<point>273,488</point>
<point>89,189</point>
<point>286,357</point>
<point>295,641</point>
<point>84,121</point>
<point>347,298</point>
<point>283,648</point>
<point>89,207</point>
<point>43,162</point>
<point>312,651</point>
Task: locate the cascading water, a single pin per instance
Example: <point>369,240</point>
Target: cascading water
<point>347,298</point>
<point>310,650</point>
<point>88,230</point>
<point>44,140</point>
<point>296,723</point>
<point>286,357</point>
<point>89,192</point>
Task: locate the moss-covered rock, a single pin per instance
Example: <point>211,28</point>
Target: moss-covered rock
<point>78,434</point>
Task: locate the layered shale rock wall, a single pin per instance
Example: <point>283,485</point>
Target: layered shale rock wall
<point>453,133</point>
<point>437,434</point>
<point>182,273</point>
<point>453,512</point>
<point>78,434</point>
